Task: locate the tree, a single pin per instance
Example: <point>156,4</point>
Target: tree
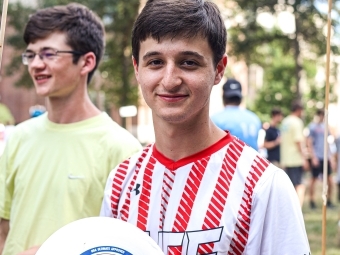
<point>116,70</point>
<point>285,57</point>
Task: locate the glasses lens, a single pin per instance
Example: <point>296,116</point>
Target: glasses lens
<point>48,53</point>
<point>27,57</point>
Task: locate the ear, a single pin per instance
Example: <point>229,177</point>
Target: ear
<point>220,68</point>
<point>88,62</point>
<point>135,67</point>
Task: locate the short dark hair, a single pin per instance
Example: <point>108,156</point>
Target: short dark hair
<point>320,112</point>
<point>180,18</point>
<point>234,100</point>
<point>296,106</point>
<point>275,111</point>
<point>83,28</point>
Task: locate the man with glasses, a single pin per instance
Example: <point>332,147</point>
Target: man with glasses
<point>55,166</point>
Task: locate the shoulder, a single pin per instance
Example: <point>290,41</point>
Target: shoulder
<point>28,127</point>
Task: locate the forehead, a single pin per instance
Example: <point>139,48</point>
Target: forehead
<point>55,40</point>
<point>176,45</point>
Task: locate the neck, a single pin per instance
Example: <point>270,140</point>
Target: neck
<point>273,123</point>
<point>180,141</point>
<point>64,110</point>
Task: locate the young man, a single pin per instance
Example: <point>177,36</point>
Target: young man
<point>292,152</point>
<point>242,123</point>
<point>315,145</point>
<point>197,189</point>
<point>272,139</point>
<point>55,166</point>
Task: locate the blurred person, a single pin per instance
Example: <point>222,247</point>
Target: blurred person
<point>2,138</point>
<point>272,139</point>
<point>315,146</point>
<point>197,189</point>
<point>337,166</point>
<point>36,110</point>
<point>292,154</point>
<point>6,116</point>
<point>240,122</point>
<point>54,167</point>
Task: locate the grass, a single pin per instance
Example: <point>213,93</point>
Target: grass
<point>313,222</point>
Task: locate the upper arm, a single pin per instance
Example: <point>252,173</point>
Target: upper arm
<point>4,226</point>
<point>277,225</point>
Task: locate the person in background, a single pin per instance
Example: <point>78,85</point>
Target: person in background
<point>197,189</point>
<point>240,122</point>
<point>272,139</point>
<point>292,150</point>
<point>6,117</point>
<point>54,167</point>
<point>337,166</point>
<point>315,145</point>
<point>36,110</point>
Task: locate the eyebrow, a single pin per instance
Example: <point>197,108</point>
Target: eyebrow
<point>185,53</point>
<point>44,48</point>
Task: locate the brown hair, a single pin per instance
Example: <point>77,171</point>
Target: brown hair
<point>83,28</point>
<point>180,18</point>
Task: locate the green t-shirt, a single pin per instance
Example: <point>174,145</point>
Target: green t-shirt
<point>6,116</point>
<point>52,174</point>
<point>291,133</point>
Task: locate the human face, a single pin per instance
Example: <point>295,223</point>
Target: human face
<point>58,77</point>
<point>176,77</point>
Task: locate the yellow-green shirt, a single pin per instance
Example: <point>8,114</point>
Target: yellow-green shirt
<point>52,174</point>
<point>6,116</point>
<point>291,132</point>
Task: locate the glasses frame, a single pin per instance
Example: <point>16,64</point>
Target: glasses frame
<point>26,62</point>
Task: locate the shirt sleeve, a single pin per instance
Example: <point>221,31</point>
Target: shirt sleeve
<point>106,210</point>
<point>5,187</point>
<point>277,226</point>
<point>269,135</point>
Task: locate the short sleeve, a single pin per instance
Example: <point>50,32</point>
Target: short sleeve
<point>6,189</point>
<point>277,225</point>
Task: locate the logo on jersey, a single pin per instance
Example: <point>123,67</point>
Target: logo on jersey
<point>106,250</point>
<point>137,189</point>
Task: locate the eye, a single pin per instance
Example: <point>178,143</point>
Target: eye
<point>189,63</point>
<point>48,53</point>
<point>155,62</point>
<point>29,55</point>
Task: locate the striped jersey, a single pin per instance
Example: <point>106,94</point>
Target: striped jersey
<point>226,199</point>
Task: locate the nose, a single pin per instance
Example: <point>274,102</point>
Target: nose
<point>171,77</point>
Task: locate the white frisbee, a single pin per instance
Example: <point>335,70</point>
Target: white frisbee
<point>99,236</point>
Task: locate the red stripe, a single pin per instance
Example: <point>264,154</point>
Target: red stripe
<point>144,199</point>
<point>188,198</point>
<point>117,186</point>
<point>124,212</point>
<point>240,238</point>
<point>219,197</point>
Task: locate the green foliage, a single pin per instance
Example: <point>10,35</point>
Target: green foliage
<point>284,58</point>
<point>116,68</point>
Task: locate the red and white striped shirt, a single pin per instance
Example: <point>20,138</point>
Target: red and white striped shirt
<point>226,199</point>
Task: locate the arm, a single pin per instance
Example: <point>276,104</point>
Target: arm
<point>4,228</point>
<point>311,152</point>
<point>271,144</point>
<point>277,224</point>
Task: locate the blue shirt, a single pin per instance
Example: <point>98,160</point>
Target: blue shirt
<point>316,132</point>
<point>241,123</point>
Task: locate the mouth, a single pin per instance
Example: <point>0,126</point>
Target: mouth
<point>172,98</point>
<point>42,77</point>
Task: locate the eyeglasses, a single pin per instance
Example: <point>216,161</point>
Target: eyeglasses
<point>45,55</point>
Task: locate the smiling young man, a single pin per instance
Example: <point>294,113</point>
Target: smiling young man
<point>197,189</point>
<point>55,166</point>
